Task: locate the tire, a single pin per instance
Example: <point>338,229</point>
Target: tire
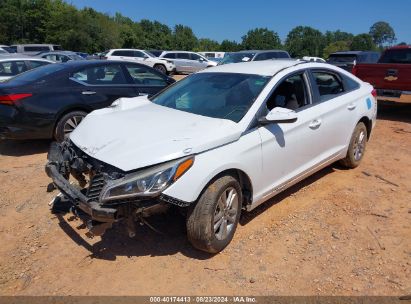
<point>161,68</point>
<point>204,231</point>
<point>67,124</point>
<point>356,149</point>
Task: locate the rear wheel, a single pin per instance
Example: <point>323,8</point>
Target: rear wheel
<point>211,223</point>
<point>161,68</point>
<point>356,149</point>
<point>67,124</point>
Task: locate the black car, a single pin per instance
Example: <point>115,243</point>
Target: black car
<point>348,59</point>
<point>52,100</point>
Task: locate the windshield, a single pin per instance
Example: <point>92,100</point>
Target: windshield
<point>38,73</point>
<point>150,54</point>
<point>216,95</point>
<point>237,57</point>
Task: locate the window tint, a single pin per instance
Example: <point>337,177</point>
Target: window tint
<point>183,56</point>
<point>343,58</point>
<point>217,95</point>
<point>260,57</point>
<point>144,76</point>
<point>170,55</point>
<point>57,57</point>
<point>282,55</point>
<point>101,75</point>
<point>349,83</point>
<point>195,57</point>
<point>36,48</point>
<point>396,56</point>
<point>237,57</point>
<point>123,53</point>
<point>139,54</point>
<point>36,64</point>
<point>290,94</point>
<point>12,68</point>
<point>328,85</point>
<point>38,74</point>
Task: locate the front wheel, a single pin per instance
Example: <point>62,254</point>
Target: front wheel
<point>67,124</point>
<point>211,223</point>
<point>356,149</point>
<point>161,68</point>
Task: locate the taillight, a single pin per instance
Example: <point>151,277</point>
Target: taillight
<point>11,99</point>
<point>354,69</point>
<point>374,93</point>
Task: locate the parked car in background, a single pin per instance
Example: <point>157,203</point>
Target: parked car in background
<point>143,57</point>
<point>14,64</point>
<point>211,55</point>
<point>3,52</point>
<point>213,145</point>
<point>254,55</point>
<point>313,59</point>
<point>49,102</point>
<point>391,76</point>
<point>33,49</point>
<point>60,56</point>
<point>7,49</point>
<point>187,62</point>
<point>348,59</point>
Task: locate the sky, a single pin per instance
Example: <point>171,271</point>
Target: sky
<point>230,19</point>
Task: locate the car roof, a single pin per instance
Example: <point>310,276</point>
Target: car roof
<point>264,68</point>
<point>351,52</point>
<point>178,52</point>
<point>259,51</point>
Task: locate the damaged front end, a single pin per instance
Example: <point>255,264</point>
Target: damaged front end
<point>103,194</point>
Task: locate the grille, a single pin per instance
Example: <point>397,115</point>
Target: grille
<point>96,186</point>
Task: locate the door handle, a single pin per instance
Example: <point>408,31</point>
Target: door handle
<point>88,92</point>
<point>315,124</point>
<point>351,106</point>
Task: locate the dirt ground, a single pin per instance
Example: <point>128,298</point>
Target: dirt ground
<point>340,232</point>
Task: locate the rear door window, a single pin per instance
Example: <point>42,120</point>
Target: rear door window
<point>195,56</point>
<point>35,64</point>
<point>170,55</point>
<point>183,56</point>
<point>144,76</point>
<point>328,84</point>
<point>396,56</point>
<point>101,75</point>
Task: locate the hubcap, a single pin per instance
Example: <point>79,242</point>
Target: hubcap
<point>225,214</point>
<point>359,146</point>
<point>71,124</point>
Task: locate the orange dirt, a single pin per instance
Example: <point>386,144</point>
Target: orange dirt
<point>340,232</point>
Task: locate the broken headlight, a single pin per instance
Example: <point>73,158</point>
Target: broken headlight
<point>148,182</point>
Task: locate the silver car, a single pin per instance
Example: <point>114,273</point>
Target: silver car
<point>187,62</point>
<point>13,64</point>
<point>61,56</point>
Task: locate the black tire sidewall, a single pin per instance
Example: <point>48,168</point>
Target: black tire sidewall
<point>59,130</point>
<point>205,207</point>
<point>161,68</point>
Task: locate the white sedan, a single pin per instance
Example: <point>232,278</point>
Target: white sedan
<point>215,144</point>
<point>12,65</point>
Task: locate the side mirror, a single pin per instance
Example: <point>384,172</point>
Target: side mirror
<point>279,115</point>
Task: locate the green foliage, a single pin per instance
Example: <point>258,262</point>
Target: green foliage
<point>229,46</point>
<point>59,22</point>
<point>363,42</point>
<point>382,33</point>
<point>261,39</point>
<point>336,47</point>
<point>305,41</point>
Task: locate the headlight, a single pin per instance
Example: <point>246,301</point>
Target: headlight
<point>149,182</point>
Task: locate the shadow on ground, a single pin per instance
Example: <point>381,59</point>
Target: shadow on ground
<point>115,242</point>
<point>394,111</point>
<point>23,147</point>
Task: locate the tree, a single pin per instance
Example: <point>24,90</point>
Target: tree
<point>338,35</point>
<point>207,45</point>
<point>305,41</point>
<point>261,39</point>
<point>184,38</point>
<point>335,47</point>
<point>229,46</point>
<point>362,42</point>
<point>382,33</point>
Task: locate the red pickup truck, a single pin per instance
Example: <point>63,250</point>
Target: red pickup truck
<point>391,76</point>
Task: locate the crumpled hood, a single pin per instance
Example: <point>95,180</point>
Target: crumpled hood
<point>137,133</point>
